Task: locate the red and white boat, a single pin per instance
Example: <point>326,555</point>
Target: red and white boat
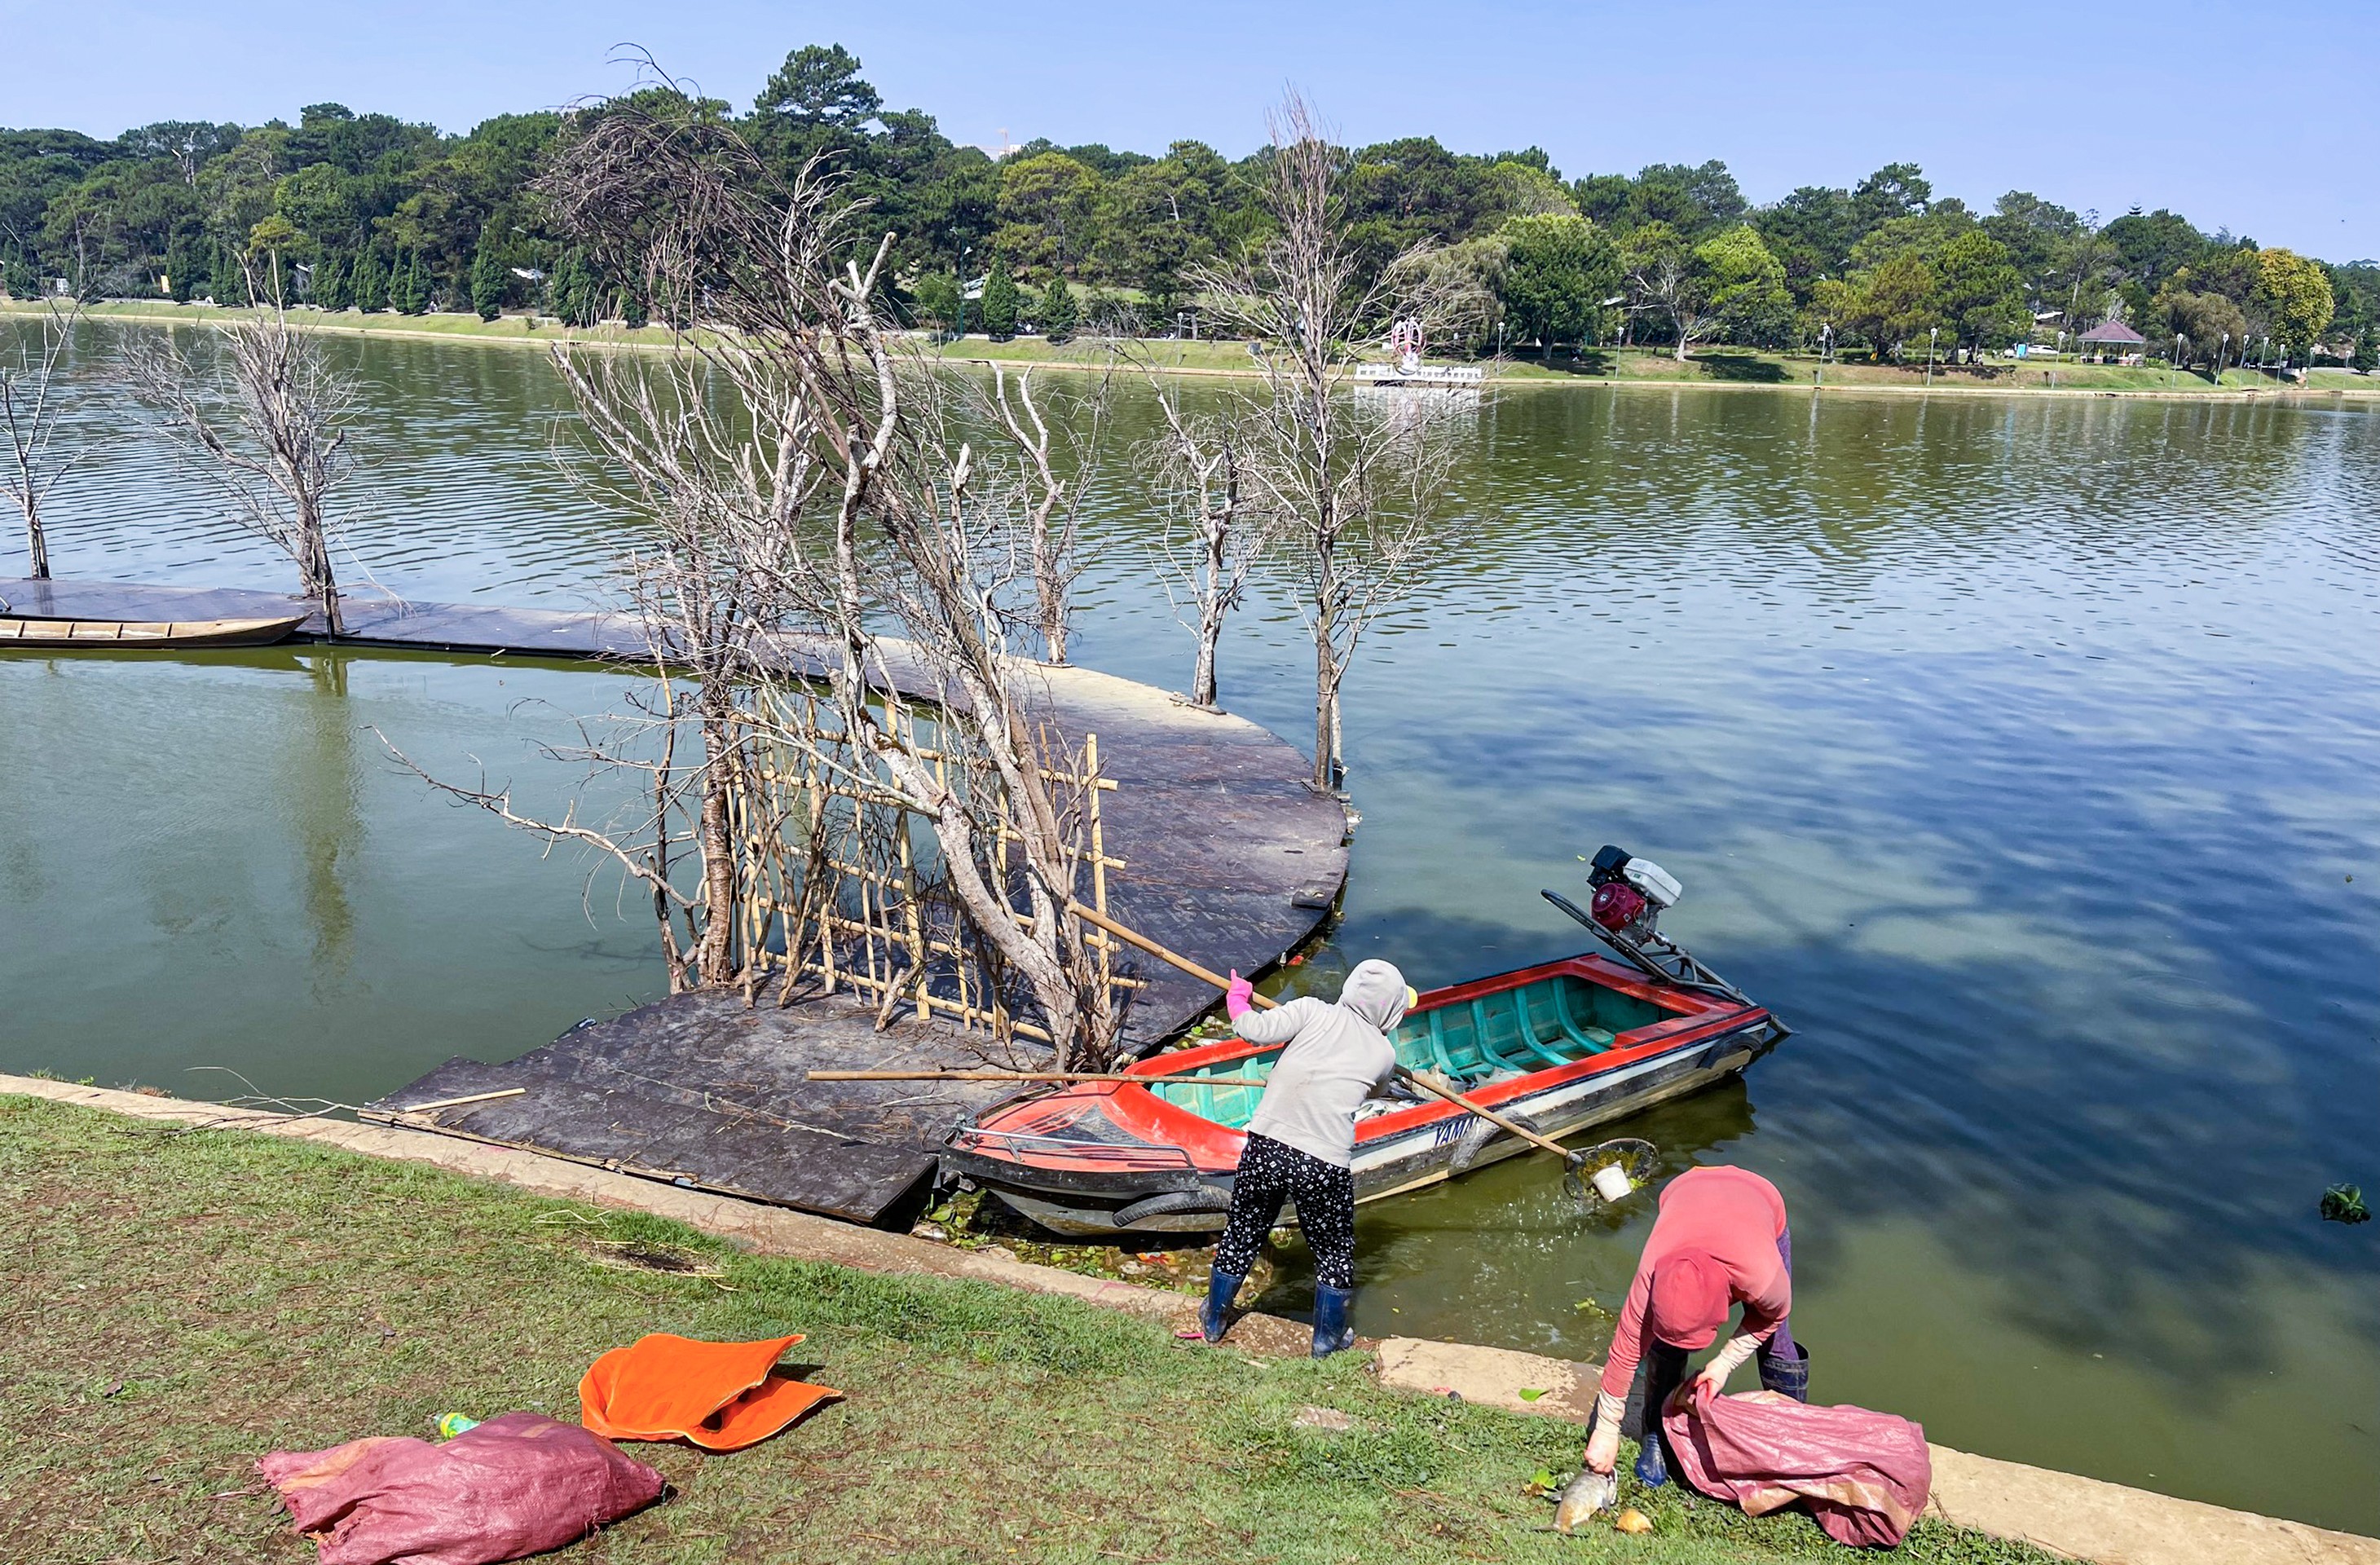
<point>1561,1048</point>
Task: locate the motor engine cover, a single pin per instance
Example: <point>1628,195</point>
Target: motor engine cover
<point>1618,905</point>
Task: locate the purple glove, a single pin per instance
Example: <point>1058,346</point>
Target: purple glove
<point>1239,997</point>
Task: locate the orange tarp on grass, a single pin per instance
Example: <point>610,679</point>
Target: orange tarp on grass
<point>722,1396</point>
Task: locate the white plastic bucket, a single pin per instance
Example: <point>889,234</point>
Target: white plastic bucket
<point>1611,1183</point>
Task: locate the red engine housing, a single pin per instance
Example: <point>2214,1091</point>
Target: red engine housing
<point>1617,905</point>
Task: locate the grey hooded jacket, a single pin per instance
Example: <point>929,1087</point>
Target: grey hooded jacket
<point>1338,1056</point>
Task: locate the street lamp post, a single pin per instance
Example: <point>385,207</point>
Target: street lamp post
<point>964,251</point>
<point>1931,334</point>
<point>2173,371</point>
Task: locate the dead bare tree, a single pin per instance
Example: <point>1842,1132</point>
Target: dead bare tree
<point>1213,533</point>
<point>820,542</point>
<point>29,410</point>
<point>1053,504</point>
<point>1358,485</point>
<point>267,423</point>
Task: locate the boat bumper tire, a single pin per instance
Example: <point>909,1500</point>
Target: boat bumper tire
<point>1206,1199</point>
<point>1331,1332</point>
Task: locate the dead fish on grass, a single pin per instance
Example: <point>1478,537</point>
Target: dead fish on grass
<point>1583,1497</point>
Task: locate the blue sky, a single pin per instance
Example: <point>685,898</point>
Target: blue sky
<point>2262,118</point>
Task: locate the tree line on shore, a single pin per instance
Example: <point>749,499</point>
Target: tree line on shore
<point>381,215</point>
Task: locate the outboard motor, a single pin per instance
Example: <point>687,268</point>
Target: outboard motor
<point>1631,893</point>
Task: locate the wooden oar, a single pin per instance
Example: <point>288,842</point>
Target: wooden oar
<point>1572,1161</point>
<point>1144,1077</point>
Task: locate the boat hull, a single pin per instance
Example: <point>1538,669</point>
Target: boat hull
<point>1105,1161</point>
<point>31,632</point>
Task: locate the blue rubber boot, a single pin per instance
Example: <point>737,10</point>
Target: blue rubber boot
<point>1215,1315</point>
<point>1332,1332</point>
<point>1789,1375</point>
<point>1651,1471</point>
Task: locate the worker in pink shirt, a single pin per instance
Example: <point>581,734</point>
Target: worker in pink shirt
<point>1720,1241</point>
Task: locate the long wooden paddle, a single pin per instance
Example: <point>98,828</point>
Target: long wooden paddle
<point>1144,1077</point>
<point>1572,1161</point>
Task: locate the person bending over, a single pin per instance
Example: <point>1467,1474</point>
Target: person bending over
<point>1302,1140</point>
<point>1720,1240</point>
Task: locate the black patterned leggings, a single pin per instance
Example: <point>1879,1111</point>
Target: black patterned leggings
<point>1270,1173</point>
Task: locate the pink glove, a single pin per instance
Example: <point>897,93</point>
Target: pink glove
<point>1239,997</point>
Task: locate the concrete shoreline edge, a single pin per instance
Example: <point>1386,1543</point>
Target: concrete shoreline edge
<point>2082,1518</point>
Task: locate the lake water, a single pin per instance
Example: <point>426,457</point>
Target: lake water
<point>2020,754</point>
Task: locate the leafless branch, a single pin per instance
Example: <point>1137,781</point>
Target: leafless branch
<point>29,412</point>
<point>268,424</point>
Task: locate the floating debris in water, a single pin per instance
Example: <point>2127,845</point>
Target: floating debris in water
<point>2344,1203</point>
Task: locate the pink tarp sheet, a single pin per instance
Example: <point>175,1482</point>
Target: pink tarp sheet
<point>1864,1475</point>
<point>517,1485</point>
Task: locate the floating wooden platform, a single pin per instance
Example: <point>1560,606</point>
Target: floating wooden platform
<point>1228,859</point>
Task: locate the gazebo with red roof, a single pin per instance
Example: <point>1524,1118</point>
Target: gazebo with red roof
<point>2113,333</point>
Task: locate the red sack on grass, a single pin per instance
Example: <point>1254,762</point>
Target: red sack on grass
<point>516,1485</point>
<point>1864,1475</point>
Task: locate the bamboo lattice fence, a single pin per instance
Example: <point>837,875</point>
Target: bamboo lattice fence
<point>839,878</point>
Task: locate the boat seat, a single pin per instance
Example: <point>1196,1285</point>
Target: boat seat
<point>1590,1039</point>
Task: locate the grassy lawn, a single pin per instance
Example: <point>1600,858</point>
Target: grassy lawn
<point>514,329</point>
<point>1720,366</point>
<point>1725,366</point>
<point>172,1304</point>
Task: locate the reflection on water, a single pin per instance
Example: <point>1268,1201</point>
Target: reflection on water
<point>2020,753</point>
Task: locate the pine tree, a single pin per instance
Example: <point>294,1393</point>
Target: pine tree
<point>1058,313</point>
<point>186,267</point>
<point>999,301</point>
<point>633,309</point>
<point>409,292</point>
<point>489,278</point>
<point>331,284</point>
<point>370,284</point>
<point>565,288</point>
<point>228,288</point>
<point>17,278</point>
<point>2366,357</point>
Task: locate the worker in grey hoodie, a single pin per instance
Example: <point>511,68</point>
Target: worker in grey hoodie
<point>1302,1140</point>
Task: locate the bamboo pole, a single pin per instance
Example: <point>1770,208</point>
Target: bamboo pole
<point>1145,1080</point>
<point>1133,937</point>
<point>1424,1083</point>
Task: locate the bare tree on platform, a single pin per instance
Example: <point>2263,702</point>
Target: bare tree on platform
<point>1358,484</point>
<point>830,572</point>
<point>1053,504</point>
<point>1214,534</point>
<point>267,423</point>
<point>29,410</point>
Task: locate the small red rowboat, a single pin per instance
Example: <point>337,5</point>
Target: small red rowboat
<point>1560,1047</point>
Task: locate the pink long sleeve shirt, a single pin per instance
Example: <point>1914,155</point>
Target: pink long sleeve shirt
<point>1735,1217</point>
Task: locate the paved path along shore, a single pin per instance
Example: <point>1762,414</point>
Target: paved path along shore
<point>2083,1518</point>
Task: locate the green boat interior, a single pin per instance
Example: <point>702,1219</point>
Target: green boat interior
<point>1555,1020</point>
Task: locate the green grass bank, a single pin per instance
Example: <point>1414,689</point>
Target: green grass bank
<point>174,1302</point>
<point>1715,366</point>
